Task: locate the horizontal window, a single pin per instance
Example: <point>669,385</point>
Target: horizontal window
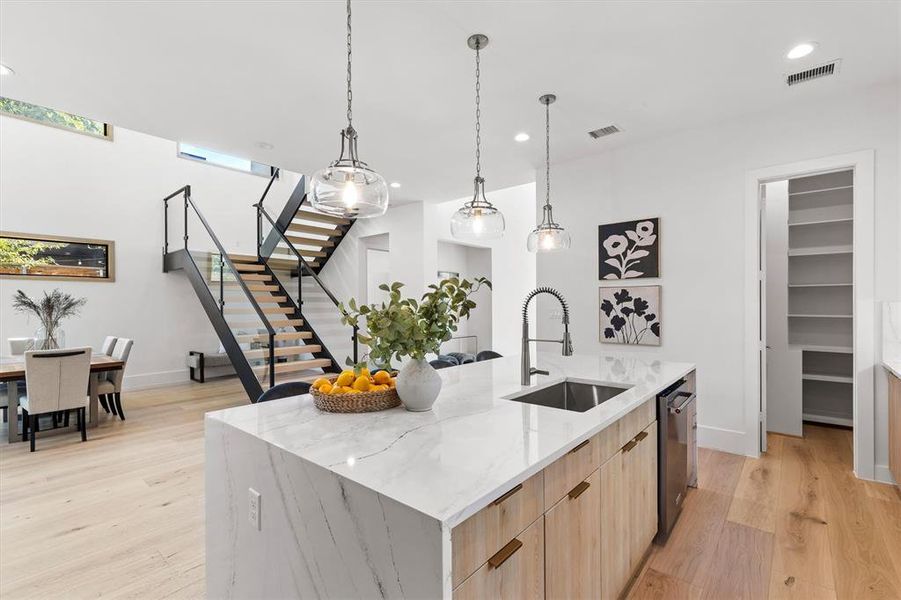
<point>54,257</point>
<point>221,159</point>
<point>55,118</point>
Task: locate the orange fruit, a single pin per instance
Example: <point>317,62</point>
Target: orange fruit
<point>362,383</point>
<point>325,388</point>
<point>346,378</point>
<point>319,383</point>
<point>382,377</point>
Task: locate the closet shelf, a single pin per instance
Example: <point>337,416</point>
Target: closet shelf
<point>799,316</point>
<point>815,348</point>
<point>805,193</point>
<point>820,250</point>
<point>821,222</point>
<point>815,285</point>
<point>829,378</point>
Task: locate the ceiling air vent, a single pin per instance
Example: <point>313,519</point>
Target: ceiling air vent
<point>824,70</point>
<point>604,131</point>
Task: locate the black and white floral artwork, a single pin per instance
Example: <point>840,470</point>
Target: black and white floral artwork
<point>629,250</point>
<point>630,315</point>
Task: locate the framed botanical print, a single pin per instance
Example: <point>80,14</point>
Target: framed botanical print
<point>629,250</point>
<point>630,315</point>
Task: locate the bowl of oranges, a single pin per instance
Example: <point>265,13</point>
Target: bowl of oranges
<point>355,391</point>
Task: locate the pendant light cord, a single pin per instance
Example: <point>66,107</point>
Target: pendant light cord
<point>478,114</point>
<point>547,154</point>
<point>350,94</point>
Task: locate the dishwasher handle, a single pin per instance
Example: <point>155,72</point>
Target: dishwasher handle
<point>677,410</point>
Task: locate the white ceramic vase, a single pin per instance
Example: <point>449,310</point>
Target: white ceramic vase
<point>418,385</point>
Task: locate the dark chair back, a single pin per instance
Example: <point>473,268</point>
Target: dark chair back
<point>441,364</point>
<point>463,358</point>
<point>448,358</point>
<point>285,390</point>
<point>486,355</point>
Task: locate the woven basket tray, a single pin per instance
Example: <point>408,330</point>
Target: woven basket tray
<point>355,403</point>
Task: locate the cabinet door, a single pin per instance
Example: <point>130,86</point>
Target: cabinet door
<point>640,466</point>
<point>572,551</point>
<point>615,548</point>
<point>515,572</point>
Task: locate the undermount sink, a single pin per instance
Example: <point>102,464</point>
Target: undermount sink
<point>570,395</point>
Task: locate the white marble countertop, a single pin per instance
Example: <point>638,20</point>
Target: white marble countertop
<point>894,366</point>
<point>473,446</point>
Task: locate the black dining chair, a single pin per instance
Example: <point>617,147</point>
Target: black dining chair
<point>285,390</point>
<point>463,358</point>
<point>441,364</point>
<point>486,355</point>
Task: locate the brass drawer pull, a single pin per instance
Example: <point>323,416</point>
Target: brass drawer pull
<point>628,447</point>
<point>580,446</point>
<point>504,553</point>
<point>578,490</point>
<point>507,495</point>
<point>641,436</point>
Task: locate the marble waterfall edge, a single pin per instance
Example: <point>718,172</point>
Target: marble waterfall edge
<point>321,535</point>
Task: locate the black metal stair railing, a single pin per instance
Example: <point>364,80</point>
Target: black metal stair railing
<point>215,308</point>
<point>302,268</point>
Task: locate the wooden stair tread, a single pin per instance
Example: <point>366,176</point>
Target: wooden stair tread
<point>263,353</point>
<point>296,365</point>
<point>310,215</point>
<point>249,310</point>
<point>306,241</point>
<point>248,267</point>
<point>306,253</point>
<point>279,337</point>
<point>253,287</point>
<point>300,228</point>
<point>255,277</point>
<point>269,299</point>
<point>243,258</point>
<point>274,323</point>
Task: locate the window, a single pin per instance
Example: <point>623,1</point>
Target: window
<point>24,255</point>
<point>221,159</point>
<point>55,118</point>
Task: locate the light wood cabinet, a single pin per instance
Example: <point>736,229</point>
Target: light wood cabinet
<point>572,543</point>
<point>628,510</point>
<point>894,427</point>
<point>515,572</point>
<point>571,468</point>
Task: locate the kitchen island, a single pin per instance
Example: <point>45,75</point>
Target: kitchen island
<point>301,503</point>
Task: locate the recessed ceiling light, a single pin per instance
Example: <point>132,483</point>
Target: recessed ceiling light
<point>4,70</point>
<point>801,50</point>
<point>265,145</point>
<point>395,184</point>
<point>521,137</point>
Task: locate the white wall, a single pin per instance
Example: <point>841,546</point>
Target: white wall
<point>694,181</point>
<point>470,262</point>
<point>62,183</point>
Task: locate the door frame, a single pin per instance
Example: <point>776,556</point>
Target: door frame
<point>864,305</point>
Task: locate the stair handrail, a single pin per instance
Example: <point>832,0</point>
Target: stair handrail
<point>302,265</point>
<point>223,257</point>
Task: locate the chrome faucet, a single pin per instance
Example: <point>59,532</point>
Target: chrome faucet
<point>527,370</point>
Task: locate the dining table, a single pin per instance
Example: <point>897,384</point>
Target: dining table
<point>12,373</point>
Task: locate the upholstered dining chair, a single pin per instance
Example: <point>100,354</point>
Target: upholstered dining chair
<point>17,347</point>
<point>285,390</point>
<point>487,355</point>
<point>110,388</point>
<point>108,344</point>
<point>57,381</point>
<point>441,364</point>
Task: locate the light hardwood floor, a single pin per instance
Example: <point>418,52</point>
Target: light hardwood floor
<point>122,515</point>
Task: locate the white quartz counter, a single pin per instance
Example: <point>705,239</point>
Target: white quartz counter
<point>473,446</point>
<point>894,366</point>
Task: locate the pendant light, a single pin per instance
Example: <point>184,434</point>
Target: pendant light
<point>348,187</point>
<point>478,219</point>
<point>548,236</point>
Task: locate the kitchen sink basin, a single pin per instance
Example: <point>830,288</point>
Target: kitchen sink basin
<point>570,395</point>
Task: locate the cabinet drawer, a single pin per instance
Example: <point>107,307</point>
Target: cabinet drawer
<point>567,471</point>
<point>480,536</point>
<point>618,434</point>
<point>572,554</point>
<point>515,572</point>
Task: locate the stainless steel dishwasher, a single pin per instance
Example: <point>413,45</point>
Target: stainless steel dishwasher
<point>677,446</point>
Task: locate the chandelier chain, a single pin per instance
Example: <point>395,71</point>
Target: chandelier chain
<point>478,114</point>
<point>350,94</point>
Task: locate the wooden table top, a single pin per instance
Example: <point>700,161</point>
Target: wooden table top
<point>13,367</point>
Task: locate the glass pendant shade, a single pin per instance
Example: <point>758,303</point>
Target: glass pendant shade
<point>348,187</point>
<point>478,219</point>
<point>548,236</point>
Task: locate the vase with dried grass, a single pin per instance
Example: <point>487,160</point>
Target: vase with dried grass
<point>50,311</point>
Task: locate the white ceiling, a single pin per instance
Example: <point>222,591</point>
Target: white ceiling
<point>230,74</point>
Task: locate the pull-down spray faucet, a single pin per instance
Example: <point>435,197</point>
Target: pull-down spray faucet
<point>527,370</point>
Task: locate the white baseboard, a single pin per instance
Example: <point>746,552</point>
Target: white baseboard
<point>883,474</point>
<point>141,381</point>
<point>726,440</point>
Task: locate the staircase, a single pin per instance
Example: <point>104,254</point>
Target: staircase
<point>255,302</point>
